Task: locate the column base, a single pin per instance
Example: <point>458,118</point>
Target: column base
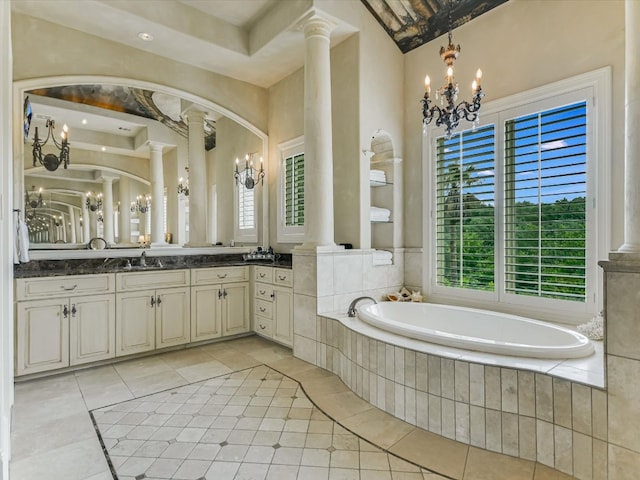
<point>160,245</point>
<point>197,245</point>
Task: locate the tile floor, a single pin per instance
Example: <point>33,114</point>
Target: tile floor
<point>153,413</point>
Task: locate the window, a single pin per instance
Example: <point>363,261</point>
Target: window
<point>515,217</point>
<point>291,198</point>
<point>246,212</point>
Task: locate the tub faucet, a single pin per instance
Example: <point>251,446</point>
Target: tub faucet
<point>352,307</point>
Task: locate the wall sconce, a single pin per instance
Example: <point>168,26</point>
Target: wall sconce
<point>142,204</point>
<point>94,201</point>
<point>50,161</point>
<point>33,199</point>
<point>183,189</point>
<point>249,177</point>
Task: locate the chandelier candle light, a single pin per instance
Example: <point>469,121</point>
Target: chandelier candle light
<point>183,189</point>
<point>96,204</point>
<point>50,161</point>
<point>448,113</point>
<point>142,204</point>
<point>249,177</point>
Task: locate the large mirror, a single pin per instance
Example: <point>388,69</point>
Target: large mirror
<point>124,142</point>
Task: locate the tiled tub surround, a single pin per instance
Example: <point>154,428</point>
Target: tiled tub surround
<point>526,414</point>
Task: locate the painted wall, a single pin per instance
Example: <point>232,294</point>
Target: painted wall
<point>520,45</point>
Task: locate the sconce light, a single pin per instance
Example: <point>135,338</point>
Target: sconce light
<point>94,201</point>
<point>249,177</point>
<point>142,204</point>
<point>50,161</point>
<point>100,216</point>
<point>33,199</point>
<point>183,189</point>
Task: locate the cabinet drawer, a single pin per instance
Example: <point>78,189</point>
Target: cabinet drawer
<point>264,292</point>
<point>263,274</point>
<point>70,285</point>
<point>209,276</point>
<point>283,276</point>
<point>151,280</point>
<point>264,326</point>
<point>263,309</point>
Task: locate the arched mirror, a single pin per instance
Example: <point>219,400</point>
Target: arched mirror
<point>122,143</point>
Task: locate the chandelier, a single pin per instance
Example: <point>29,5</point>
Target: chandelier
<point>142,204</point>
<point>249,177</point>
<point>50,161</point>
<point>448,113</point>
<point>183,189</point>
<point>94,201</point>
<point>33,199</point>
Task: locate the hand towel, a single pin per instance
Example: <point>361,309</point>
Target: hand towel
<point>21,250</point>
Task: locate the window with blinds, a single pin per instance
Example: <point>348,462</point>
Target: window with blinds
<point>246,205</point>
<point>545,203</point>
<point>294,190</point>
<point>465,214</point>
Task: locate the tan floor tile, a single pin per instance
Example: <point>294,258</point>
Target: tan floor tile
<point>97,377</point>
<point>342,405</point>
<point>185,358</point>
<point>141,367</point>
<point>433,452</point>
<point>155,382</point>
<point>485,465</point>
<point>203,371</point>
<point>378,427</point>
<point>542,472</point>
<point>96,397</point>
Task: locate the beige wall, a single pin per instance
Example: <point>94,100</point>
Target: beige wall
<point>520,45</point>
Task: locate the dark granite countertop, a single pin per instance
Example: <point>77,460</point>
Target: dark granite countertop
<point>52,268</point>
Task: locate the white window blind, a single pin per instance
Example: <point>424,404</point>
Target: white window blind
<point>246,205</point>
<point>545,203</point>
<point>294,190</point>
<point>465,184</point>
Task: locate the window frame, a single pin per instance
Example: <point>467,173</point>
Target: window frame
<point>594,88</point>
<point>287,234</point>
<point>248,235</point>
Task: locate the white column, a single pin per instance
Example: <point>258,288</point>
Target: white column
<point>157,195</point>
<point>107,209</point>
<point>125,211</point>
<point>72,225</point>
<point>86,221</point>
<point>197,179</point>
<point>318,154</point>
<point>632,126</point>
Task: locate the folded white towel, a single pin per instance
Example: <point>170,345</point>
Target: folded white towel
<point>382,254</point>
<point>378,262</point>
<point>380,214</point>
<point>21,246</point>
<point>377,175</point>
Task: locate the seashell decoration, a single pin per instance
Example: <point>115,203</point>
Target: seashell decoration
<point>405,295</point>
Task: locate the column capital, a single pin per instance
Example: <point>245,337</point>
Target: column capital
<point>195,113</point>
<point>317,25</point>
<point>155,146</point>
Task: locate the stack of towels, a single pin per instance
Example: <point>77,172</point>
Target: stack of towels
<point>382,257</point>
<point>380,214</point>
<point>377,176</point>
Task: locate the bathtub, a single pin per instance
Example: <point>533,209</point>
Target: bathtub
<point>475,329</point>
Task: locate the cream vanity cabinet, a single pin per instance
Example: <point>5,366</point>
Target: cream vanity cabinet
<point>273,303</point>
<point>64,321</point>
<point>219,302</point>
<point>152,310</point>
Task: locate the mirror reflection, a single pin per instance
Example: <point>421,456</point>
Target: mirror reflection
<point>121,169</point>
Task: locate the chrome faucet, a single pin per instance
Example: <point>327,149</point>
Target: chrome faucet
<point>143,259</point>
<point>352,307</point>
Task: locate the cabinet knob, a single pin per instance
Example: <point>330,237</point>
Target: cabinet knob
<point>158,300</point>
<point>65,311</point>
<point>73,310</point>
<point>153,301</point>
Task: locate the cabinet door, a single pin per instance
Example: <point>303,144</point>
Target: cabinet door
<point>135,322</point>
<point>283,315</point>
<point>172,317</point>
<point>235,308</point>
<point>92,328</point>
<point>42,341</point>
<point>206,312</point>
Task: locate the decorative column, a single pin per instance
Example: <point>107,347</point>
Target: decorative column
<point>107,209</point>
<point>318,155</point>
<point>72,225</point>
<point>197,179</point>
<point>157,195</point>
<point>124,226</point>
<point>632,126</point>
<point>86,220</point>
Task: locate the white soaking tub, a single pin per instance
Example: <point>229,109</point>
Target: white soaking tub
<point>475,329</point>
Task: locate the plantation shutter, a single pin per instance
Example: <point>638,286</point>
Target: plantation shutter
<point>246,205</point>
<point>465,184</point>
<point>545,203</point>
<point>294,191</point>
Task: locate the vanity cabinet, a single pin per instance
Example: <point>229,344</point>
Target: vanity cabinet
<point>60,324</point>
<point>148,318</point>
<point>273,303</point>
<point>219,302</point>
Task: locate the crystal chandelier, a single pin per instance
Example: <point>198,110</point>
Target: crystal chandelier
<point>50,161</point>
<point>448,113</point>
<point>183,189</point>
<point>142,204</point>
<point>249,177</point>
<point>33,199</point>
<point>94,201</point>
